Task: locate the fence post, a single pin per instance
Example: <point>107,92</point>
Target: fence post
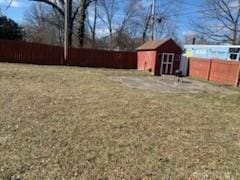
<point>238,77</point>
<point>210,70</point>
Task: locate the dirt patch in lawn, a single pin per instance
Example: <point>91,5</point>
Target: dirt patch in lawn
<point>170,84</point>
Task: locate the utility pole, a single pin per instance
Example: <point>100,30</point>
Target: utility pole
<point>66,31</point>
<point>153,17</point>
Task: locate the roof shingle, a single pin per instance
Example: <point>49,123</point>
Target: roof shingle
<point>152,45</point>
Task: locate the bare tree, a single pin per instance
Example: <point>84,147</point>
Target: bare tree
<point>59,6</point>
<point>108,10</point>
<point>83,12</point>
<point>219,21</point>
<point>134,21</point>
<point>130,12</point>
<point>92,22</point>
<point>164,22</point>
<point>42,24</point>
<point>124,23</point>
<point>146,25</point>
<point>125,34</point>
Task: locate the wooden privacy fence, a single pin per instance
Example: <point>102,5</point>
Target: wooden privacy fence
<point>32,53</point>
<point>102,58</point>
<point>220,71</point>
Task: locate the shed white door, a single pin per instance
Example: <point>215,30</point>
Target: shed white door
<point>167,63</point>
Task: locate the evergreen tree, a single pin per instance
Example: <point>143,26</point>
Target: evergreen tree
<point>9,29</point>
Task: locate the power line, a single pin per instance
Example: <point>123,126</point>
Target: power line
<point>197,11</point>
<point>184,13</point>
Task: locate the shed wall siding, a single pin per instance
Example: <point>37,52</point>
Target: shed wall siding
<point>147,60</point>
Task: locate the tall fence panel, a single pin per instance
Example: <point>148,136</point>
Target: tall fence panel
<point>199,68</point>
<point>102,58</point>
<point>33,53</point>
<point>220,71</point>
<point>44,54</point>
<point>226,72</point>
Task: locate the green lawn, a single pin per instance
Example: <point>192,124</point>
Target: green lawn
<point>76,123</point>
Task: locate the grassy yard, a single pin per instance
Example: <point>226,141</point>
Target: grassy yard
<point>76,123</point>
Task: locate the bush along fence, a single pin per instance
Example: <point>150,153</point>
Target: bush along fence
<point>220,71</point>
<point>41,54</point>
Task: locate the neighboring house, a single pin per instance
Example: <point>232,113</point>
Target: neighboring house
<point>159,57</point>
<point>224,52</point>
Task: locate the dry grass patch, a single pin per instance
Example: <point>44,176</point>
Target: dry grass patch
<point>75,123</point>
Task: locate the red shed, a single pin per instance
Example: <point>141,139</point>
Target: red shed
<point>159,57</point>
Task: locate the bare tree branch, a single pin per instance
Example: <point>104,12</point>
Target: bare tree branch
<point>222,23</point>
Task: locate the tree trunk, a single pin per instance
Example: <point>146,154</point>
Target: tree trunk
<point>111,38</point>
<point>146,26</point>
<point>62,13</point>
<point>235,37</point>
<point>81,31</point>
<point>70,25</point>
<point>94,25</point>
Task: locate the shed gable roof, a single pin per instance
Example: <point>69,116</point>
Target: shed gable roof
<point>152,45</point>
